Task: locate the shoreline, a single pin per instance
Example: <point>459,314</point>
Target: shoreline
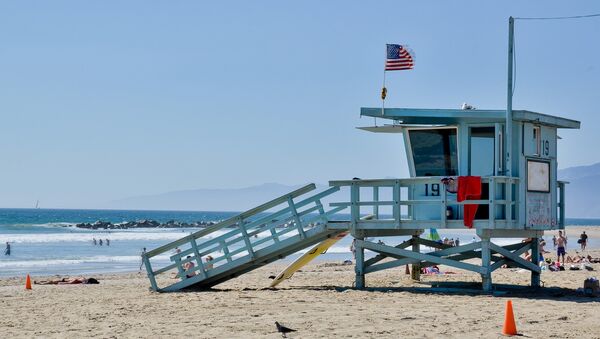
<point>96,263</point>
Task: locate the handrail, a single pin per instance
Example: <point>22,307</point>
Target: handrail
<point>500,194</point>
<point>561,203</point>
<point>231,221</point>
<point>409,181</point>
<point>298,219</point>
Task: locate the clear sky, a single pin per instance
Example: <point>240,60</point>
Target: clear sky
<point>102,100</point>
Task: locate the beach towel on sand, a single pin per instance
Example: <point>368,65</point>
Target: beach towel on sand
<point>469,188</point>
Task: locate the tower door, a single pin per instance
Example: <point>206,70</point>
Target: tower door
<point>482,151</point>
<point>482,160</point>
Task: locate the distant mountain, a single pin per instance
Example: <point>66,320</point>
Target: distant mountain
<point>582,196</point>
<point>239,199</point>
<point>579,172</point>
<point>583,191</point>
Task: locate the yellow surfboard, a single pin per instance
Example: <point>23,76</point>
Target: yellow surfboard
<point>307,257</point>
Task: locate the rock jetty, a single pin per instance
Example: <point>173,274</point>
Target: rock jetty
<point>106,225</point>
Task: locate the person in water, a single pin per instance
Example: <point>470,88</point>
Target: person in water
<point>7,250</point>
<point>100,242</point>
<point>94,241</point>
<point>107,242</point>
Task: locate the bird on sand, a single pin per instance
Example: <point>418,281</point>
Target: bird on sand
<point>283,330</point>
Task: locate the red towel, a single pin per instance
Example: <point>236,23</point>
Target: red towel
<point>469,188</point>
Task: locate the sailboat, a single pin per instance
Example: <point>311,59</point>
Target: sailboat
<point>37,204</point>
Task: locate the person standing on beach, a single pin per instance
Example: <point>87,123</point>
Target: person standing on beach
<point>554,241</point>
<point>7,250</point>
<point>583,240</point>
<point>561,243</point>
<point>543,251</point>
<point>142,255</point>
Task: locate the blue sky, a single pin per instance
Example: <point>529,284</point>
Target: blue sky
<point>104,100</point>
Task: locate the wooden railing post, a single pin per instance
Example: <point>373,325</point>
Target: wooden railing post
<point>354,207</point>
<point>321,210</point>
<point>396,206</point>
<point>246,237</point>
<point>180,268</point>
<point>561,218</point>
<point>198,257</point>
<point>376,199</point>
<point>225,250</point>
<point>492,202</point>
<point>296,218</point>
<point>150,273</point>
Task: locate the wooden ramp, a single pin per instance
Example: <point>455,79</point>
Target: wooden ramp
<point>243,243</point>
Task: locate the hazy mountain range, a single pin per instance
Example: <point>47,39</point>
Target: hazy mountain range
<point>582,192</point>
<point>239,199</point>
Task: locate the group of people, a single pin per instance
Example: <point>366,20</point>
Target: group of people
<point>451,242</point>
<point>189,266</point>
<point>560,244</point>
<point>100,242</point>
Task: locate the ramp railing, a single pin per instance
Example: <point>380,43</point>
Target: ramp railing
<point>239,240</point>
<point>561,204</point>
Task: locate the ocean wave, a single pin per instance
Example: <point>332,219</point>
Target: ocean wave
<point>88,236</point>
<point>46,225</point>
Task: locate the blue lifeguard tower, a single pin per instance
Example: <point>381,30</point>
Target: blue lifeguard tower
<point>512,155</point>
<point>519,199</point>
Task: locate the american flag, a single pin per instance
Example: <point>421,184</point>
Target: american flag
<point>398,58</point>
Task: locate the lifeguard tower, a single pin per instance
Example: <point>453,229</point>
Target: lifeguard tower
<point>519,197</point>
<point>502,161</point>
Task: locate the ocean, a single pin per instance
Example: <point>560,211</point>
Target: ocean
<point>45,241</point>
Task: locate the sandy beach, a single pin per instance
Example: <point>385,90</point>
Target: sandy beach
<point>318,302</point>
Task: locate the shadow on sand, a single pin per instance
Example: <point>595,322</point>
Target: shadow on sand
<point>453,288</point>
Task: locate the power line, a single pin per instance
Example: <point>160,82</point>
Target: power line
<point>540,18</point>
<point>561,17</point>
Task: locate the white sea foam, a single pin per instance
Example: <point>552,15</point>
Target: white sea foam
<point>120,235</point>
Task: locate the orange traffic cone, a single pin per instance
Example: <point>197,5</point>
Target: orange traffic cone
<point>407,271</point>
<point>510,328</point>
<point>28,283</point>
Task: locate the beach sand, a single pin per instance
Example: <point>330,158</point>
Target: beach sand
<point>318,302</point>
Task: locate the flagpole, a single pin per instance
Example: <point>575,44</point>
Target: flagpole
<point>383,89</point>
<point>383,93</point>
